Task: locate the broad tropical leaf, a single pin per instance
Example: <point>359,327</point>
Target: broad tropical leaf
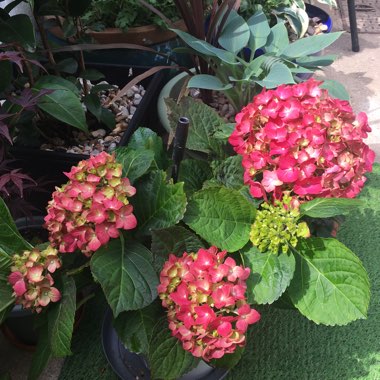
<point>329,207</point>
<point>10,239</point>
<point>158,203</point>
<point>330,285</point>
<point>270,275</point>
<point>175,240</point>
<point>222,216</point>
<point>167,359</point>
<point>126,275</point>
<point>135,328</point>
<point>61,319</point>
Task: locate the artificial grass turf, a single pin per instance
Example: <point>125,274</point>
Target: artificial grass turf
<point>284,344</point>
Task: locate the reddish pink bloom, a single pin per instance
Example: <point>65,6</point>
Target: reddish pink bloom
<point>205,294</point>
<point>91,208</point>
<point>290,137</point>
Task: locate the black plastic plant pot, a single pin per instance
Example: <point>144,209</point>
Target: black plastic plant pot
<point>53,163</point>
<point>130,366</point>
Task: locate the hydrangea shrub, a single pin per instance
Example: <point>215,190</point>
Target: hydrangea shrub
<point>300,140</point>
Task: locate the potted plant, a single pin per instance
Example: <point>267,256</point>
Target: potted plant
<point>209,245</point>
<point>59,103</point>
<point>239,58</point>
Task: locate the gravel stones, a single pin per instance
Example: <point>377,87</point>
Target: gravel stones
<point>100,139</point>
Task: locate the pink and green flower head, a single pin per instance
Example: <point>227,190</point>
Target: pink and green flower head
<point>298,139</point>
<point>205,296</point>
<point>31,280</point>
<point>91,207</point>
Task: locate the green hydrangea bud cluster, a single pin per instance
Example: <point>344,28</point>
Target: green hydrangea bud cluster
<point>276,226</point>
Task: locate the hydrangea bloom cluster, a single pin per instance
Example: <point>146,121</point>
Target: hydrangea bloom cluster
<point>31,280</point>
<point>297,138</point>
<point>276,226</point>
<point>205,295</point>
<point>91,208</point>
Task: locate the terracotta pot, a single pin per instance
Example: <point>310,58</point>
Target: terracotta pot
<point>141,35</point>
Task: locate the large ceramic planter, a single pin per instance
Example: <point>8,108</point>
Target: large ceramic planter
<point>171,90</point>
<point>130,366</point>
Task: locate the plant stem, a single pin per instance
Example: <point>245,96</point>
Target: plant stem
<point>78,270</point>
<point>84,300</point>
<point>45,42</point>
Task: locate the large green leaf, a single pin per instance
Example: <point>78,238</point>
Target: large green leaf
<point>222,216</point>
<point>259,28</point>
<point>175,240</point>
<point>135,162</point>
<point>41,356</point>
<point>204,122</point>
<point>329,207</point>
<point>278,74</point>
<point>316,60</point>
<point>63,104</point>
<point>235,34</point>
<point>330,285</point>
<point>7,299</point>
<point>278,39</point>
<point>10,239</point>
<point>228,361</point>
<point>230,172</point>
<point>135,328</point>
<point>126,275</point>
<point>157,203</point>
<point>310,45</point>
<point>209,82</point>
<point>61,319</point>
<point>193,173</point>
<point>335,89</point>
<point>18,29</point>
<point>146,138</point>
<point>167,359</point>
<point>52,81</point>
<point>205,48</point>
<point>270,275</point>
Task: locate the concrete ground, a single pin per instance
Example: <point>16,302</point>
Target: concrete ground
<point>358,72</point>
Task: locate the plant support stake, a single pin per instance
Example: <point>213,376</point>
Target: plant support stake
<point>179,145</point>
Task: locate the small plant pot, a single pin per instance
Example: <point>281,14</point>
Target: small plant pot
<point>130,366</point>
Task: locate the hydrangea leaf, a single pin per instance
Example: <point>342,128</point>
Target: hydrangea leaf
<point>230,172</point>
<point>270,275</point>
<point>61,319</point>
<point>167,359</point>
<point>222,216</point>
<point>330,285</point>
<point>145,138</point>
<point>135,328</point>
<point>158,203</point>
<point>204,122</point>
<point>10,239</point>
<point>126,275</point>
<point>329,207</point>
<point>193,173</point>
<point>135,162</point>
<point>175,240</point>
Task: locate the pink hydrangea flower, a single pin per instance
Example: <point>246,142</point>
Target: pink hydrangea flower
<point>297,139</point>
<point>90,209</point>
<point>31,280</point>
<point>205,296</point>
